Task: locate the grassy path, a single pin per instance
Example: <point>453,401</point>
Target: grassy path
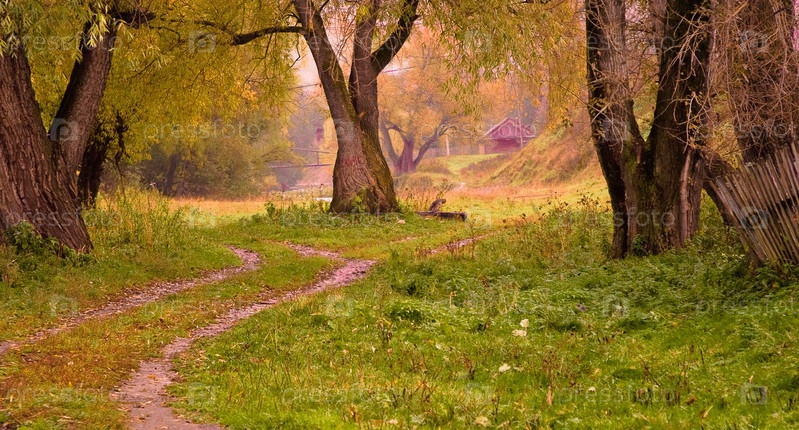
<point>70,369</point>
<point>145,390</point>
<point>249,259</point>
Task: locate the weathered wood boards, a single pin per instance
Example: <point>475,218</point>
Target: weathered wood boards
<point>764,198</point>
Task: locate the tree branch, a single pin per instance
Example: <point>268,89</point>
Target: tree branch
<point>395,127</point>
<point>241,39</point>
<point>441,130</point>
<point>76,116</point>
<point>383,55</point>
<point>244,38</point>
<point>387,142</point>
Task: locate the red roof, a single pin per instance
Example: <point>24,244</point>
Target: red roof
<point>509,128</point>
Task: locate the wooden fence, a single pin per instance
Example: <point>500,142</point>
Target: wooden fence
<point>762,197</point>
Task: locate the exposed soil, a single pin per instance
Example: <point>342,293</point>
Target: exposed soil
<point>249,262</point>
<point>145,392</point>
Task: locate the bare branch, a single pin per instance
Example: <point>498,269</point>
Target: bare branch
<point>243,38</point>
<point>383,55</point>
<point>441,130</point>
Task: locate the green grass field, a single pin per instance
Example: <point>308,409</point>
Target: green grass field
<point>531,327</point>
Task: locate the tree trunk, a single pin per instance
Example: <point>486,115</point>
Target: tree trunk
<point>34,186</point>
<point>361,173</point>
<point>405,163</point>
<point>669,170</point>
<point>610,105</point>
<point>94,157</point>
<point>91,171</point>
<point>76,117</point>
<point>169,179</point>
<point>388,144</point>
<point>655,185</point>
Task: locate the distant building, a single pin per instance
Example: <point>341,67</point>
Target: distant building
<point>507,136</point>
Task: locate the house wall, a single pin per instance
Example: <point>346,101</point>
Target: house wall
<point>503,145</point>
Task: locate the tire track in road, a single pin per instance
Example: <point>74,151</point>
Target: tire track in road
<point>145,392</point>
<point>250,261</point>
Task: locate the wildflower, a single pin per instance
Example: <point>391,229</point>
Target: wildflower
<point>482,421</point>
<point>581,307</point>
<point>520,333</point>
<point>525,323</point>
<point>504,368</point>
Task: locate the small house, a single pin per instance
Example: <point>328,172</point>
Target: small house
<point>507,136</point>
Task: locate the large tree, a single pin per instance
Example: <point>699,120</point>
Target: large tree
<point>758,73</point>
<point>37,167</point>
<point>414,106</point>
<point>654,183</point>
<point>360,172</point>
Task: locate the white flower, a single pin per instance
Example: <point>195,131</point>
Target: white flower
<point>504,368</point>
<point>402,221</point>
<point>525,323</point>
<point>482,421</point>
<point>521,333</point>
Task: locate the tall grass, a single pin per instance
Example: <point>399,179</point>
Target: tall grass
<point>136,219</point>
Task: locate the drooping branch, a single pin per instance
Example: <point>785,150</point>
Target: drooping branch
<point>383,55</point>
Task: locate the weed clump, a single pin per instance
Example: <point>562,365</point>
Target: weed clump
<point>137,220</point>
<point>24,239</point>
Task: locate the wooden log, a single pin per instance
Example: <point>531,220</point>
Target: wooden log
<point>459,216</point>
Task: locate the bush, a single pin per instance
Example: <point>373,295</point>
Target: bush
<point>24,239</point>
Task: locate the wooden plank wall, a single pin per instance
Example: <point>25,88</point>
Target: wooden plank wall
<point>764,197</point>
